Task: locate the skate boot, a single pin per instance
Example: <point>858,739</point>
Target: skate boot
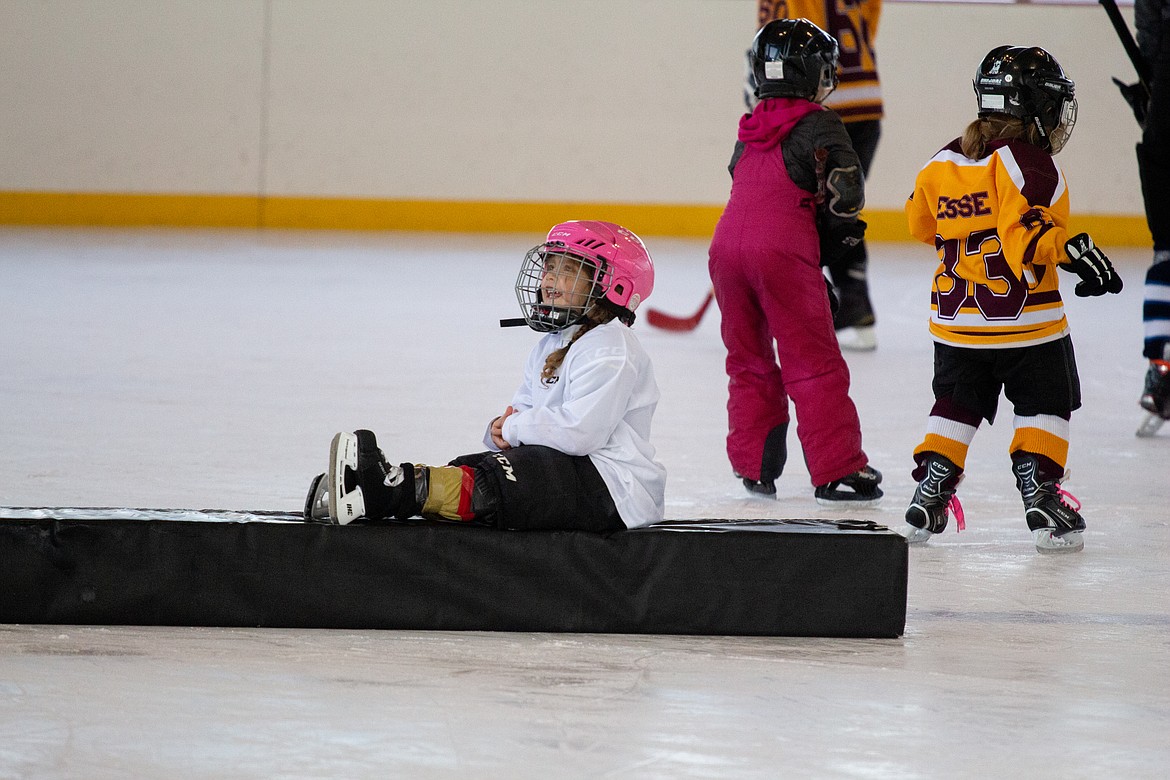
<point>854,319</point>
<point>1156,397</point>
<point>934,499</point>
<point>862,489</point>
<point>361,483</point>
<point>759,487</point>
<point>1055,523</point>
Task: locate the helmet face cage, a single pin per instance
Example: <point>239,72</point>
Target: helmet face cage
<point>616,274</point>
<point>1029,84</point>
<point>1067,119</point>
<point>794,58</point>
<point>557,288</point>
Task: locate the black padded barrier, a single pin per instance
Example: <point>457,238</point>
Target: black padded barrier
<point>758,577</point>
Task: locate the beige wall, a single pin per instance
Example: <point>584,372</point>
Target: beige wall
<point>631,101</point>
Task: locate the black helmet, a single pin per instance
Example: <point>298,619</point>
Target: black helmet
<point>793,58</point>
<point>1029,84</point>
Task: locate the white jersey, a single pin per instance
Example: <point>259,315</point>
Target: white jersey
<point>600,404</point>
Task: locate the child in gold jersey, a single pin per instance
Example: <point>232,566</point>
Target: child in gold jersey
<point>995,206</point>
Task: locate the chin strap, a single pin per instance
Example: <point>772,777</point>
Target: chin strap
<point>513,322</point>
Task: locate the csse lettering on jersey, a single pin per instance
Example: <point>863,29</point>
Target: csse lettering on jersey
<point>999,225</point>
<point>973,204</point>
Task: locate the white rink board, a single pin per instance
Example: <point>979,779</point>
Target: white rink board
<point>622,101</point>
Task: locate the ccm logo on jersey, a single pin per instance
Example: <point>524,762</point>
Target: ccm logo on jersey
<point>970,205</point>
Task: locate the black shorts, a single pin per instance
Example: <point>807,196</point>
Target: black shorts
<point>531,487</point>
<point>1040,379</point>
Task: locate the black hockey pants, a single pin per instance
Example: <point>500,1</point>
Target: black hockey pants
<point>531,487</point>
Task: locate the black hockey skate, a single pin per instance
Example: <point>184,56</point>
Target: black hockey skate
<point>771,464</point>
<point>857,489</point>
<point>934,499</point>
<point>362,484</point>
<point>1156,397</point>
<point>1055,523</point>
<point>854,318</point>
<point>761,487</point>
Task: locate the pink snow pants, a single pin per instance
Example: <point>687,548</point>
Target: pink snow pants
<point>765,267</point>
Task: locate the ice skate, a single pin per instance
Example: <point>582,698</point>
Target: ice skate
<point>362,484</point>
<point>858,489</point>
<point>934,499</point>
<point>771,464</point>
<point>1051,512</point>
<point>857,339</point>
<point>1150,426</point>
<point>854,319</point>
<point>1155,398</point>
<point>760,487</point>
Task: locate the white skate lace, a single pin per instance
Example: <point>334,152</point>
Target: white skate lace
<point>394,475</point>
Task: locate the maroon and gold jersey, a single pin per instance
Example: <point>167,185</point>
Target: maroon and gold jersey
<point>854,23</point>
<point>999,224</point>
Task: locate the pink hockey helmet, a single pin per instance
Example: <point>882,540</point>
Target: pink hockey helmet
<point>621,269</point>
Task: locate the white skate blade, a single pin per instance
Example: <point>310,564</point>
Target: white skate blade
<point>1150,426</point>
<point>344,507</point>
<point>862,339</point>
<point>916,535</point>
<point>317,501</point>
<point>850,503</point>
<point>1047,543</point>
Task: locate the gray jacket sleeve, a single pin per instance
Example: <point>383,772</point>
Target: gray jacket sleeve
<point>844,181</point>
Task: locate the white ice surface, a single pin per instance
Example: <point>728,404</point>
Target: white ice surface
<point>208,370</point>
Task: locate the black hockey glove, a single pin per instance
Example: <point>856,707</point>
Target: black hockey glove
<point>839,238</point>
<point>1091,264</point>
<point>1138,98</point>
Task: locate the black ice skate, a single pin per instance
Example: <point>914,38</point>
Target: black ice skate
<point>857,489</point>
<point>362,484</point>
<point>761,487</point>
<point>934,499</point>
<point>854,318</point>
<point>1156,397</point>
<point>1056,525</point>
<point>771,464</point>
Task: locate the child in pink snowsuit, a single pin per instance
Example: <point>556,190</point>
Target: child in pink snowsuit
<point>796,193</point>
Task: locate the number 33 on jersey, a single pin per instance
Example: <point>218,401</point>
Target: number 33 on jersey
<point>999,224</point>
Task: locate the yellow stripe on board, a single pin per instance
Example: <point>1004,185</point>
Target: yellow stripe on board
<point>483,216</point>
<point>124,210</point>
<point>690,221</point>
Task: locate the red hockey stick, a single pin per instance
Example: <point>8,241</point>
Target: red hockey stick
<point>666,321</point>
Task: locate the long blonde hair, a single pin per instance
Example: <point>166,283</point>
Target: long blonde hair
<point>995,127</point>
<point>596,315</point>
